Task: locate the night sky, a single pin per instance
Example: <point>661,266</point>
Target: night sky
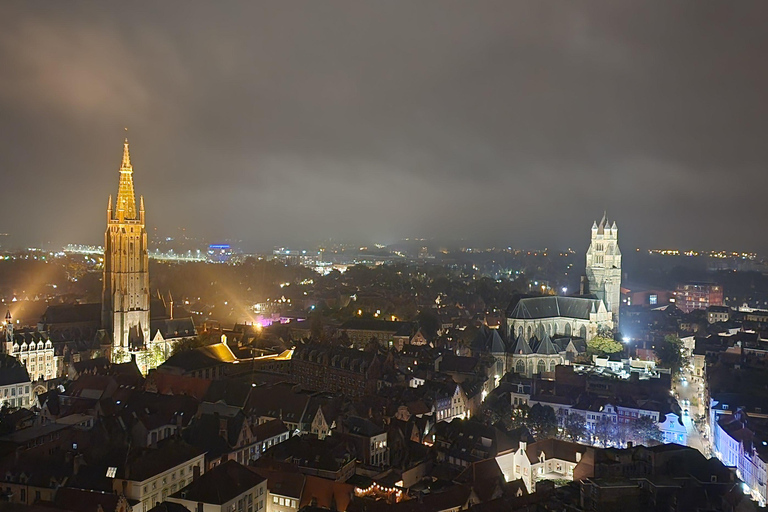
<point>514,123</point>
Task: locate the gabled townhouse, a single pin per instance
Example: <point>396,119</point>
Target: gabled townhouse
<point>284,486</point>
<point>371,441</point>
<point>226,488</point>
<point>149,476</point>
<point>546,460</point>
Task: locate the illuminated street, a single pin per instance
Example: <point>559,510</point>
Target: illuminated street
<point>687,395</point>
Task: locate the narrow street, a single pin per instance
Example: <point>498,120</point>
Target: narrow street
<point>688,395</point>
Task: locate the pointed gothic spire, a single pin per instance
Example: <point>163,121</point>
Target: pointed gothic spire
<point>126,199</point>
<point>126,165</point>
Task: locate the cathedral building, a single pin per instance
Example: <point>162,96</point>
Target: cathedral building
<point>545,331</point>
<point>604,266</point>
<point>125,302</point>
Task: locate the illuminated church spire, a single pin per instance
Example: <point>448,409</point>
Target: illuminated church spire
<point>126,199</point>
<point>125,291</point>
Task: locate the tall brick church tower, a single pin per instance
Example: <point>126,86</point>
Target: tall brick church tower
<point>125,292</point>
<point>604,266</point>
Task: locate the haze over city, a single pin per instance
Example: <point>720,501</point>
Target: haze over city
<point>506,123</point>
<point>383,256</point>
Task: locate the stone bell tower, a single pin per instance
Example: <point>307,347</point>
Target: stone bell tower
<point>125,291</point>
<point>604,266</point>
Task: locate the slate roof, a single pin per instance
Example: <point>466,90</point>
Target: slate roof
<point>553,306</point>
<point>279,401</point>
<point>203,357</point>
<point>488,340</point>
<point>221,484</point>
<point>522,346</point>
<point>153,461</point>
<point>484,477</point>
<point>282,483</point>
<point>362,427</point>
<point>205,433</point>
<point>497,344</point>
<point>154,410</point>
<point>100,364</point>
<point>555,449</point>
<point>176,328</point>
<point>230,392</point>
<point>168,506</point>
<point>329,454</point>
<point>546,347</point>
<point>12,372</point>
<point>269,429</point>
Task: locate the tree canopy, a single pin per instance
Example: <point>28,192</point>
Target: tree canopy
<point>542,421</point>
<point>668,353</point>
<point>603,346</point>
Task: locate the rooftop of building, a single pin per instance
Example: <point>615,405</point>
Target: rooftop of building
<point>221,484</point>
<point>552,306</point>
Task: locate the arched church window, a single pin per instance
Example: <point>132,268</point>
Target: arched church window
<point>520,367</point>
<point>583,332</point>
<point>552,365</point>
<point>541,367</point>
<point>568,330</point>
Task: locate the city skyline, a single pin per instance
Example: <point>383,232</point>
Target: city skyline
<point>504,125</point>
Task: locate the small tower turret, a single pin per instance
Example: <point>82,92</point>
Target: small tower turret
<point>8,328</point>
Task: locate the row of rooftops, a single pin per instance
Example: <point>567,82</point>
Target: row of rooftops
<point>339,357</point>
<point>490,340</point>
